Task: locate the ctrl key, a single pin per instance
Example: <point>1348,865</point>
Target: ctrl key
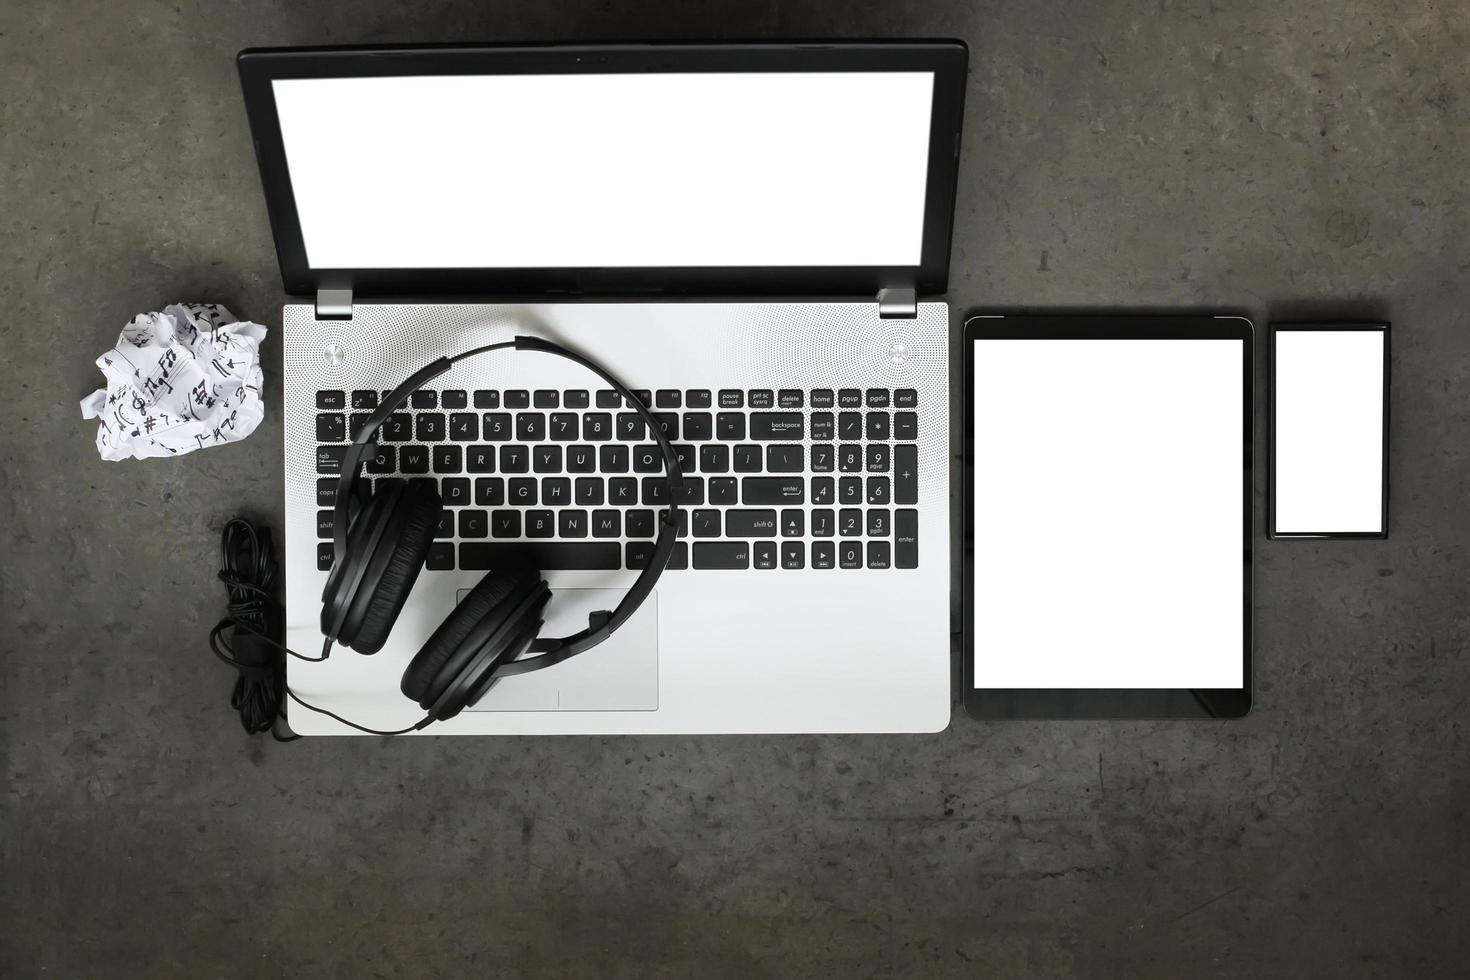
<point>906,539</point>
<point>721,554</point>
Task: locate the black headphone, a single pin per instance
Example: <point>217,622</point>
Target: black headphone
<point>379,551</point>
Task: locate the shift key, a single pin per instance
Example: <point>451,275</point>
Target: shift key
<point>772,490</point>
<point>721,554</point>
<point>750,523</point>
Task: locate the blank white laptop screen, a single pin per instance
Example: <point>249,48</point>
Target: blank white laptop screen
<point>1327,413</point>
<point>609,170</point>
<point>1108,513</point>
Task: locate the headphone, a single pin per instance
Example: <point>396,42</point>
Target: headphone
<point>379,550</point>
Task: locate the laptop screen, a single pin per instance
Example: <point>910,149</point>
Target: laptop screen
<point>660,170</point>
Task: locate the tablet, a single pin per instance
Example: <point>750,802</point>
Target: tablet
<point>1108,517</point>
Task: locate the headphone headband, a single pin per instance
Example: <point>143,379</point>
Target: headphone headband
<point>601,624</point>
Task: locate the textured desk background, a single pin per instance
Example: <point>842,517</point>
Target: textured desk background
<point>1272,158</point>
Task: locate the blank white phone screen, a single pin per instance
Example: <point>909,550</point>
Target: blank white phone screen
<point>1328,393</point>
<point>609,170</point>
<point>1109,512</point>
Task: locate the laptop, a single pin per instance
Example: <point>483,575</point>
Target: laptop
<point>755,238</point>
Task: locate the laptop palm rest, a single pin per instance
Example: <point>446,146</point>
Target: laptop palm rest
<point>620,674</point>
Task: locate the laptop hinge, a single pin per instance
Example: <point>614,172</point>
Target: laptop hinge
<point>334,304</point>
<point>898,302</point>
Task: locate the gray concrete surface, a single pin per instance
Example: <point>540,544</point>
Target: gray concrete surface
<point>1261,156</point>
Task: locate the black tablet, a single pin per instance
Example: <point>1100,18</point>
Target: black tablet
<point>1108,519</point>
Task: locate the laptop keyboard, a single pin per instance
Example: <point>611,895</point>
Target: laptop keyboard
<point>571,479</point>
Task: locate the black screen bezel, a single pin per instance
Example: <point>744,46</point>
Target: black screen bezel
<point>1105,703</point>
<point>1371,327</point>
<point>946,59</point>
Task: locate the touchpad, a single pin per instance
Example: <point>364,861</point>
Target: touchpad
<point>619,674</point>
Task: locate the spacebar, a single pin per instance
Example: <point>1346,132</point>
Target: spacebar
<point>541,555</point>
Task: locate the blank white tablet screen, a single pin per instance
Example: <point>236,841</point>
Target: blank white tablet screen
<point>1109,513</point>
<point>1328,456</point>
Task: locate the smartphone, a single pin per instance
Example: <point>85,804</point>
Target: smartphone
<point>1328,386</point>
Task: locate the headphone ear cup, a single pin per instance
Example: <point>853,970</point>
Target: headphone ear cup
<point>431,668</point>
<point>375,609</point>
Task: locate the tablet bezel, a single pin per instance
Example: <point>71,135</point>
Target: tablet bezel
<point>1104,703</point>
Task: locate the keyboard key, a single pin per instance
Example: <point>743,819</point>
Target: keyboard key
<point>326,492</point>
<point>824,554</point>
<point>581,459</point>
<point>545,398</point>
<point>441,557</point>
<point>850,490</point>
<point>906,539</point>
<point>324,522</point>
<point>445,527</point>
<point>556,491</point>
<point>515,459</point>
<point>523,491</point>
<point>448,459</point>
<point>540,524</point>
<point>699,426</point>
<point>655,491</point>
<point>789,398</point>
<point>877,458</point>
<point>487,399</point>
<point>497,426</point>
<point>490,492</point>
<point>723,490</point>
<point>823,522</point>
<point>793,523</point>
<point>365,400</point>
<point>849,398</point>
<point>850,523</point>
<point>824,458</point>
<point>638,554</point>
<point>668,398</point>
<point>732,398</point>
<point>622,491</point>
<point>424,398</point>
<point>686,457</point>
<point>878,490</point>
<point>630,427</point>
<point>480,459</point>
<point>905,425</point>
<point>597,427</point>
<point>750,523</point>
<point>331,399</point>
<point>693,491</point>
<point>762,398</point>
<point>850,554</point>
<point>455,491</point>
<point>464,426</point>
<point>730,426</point>
<point>714,459</point>
<point>454,399</point>
<point>564,426</point>
<point>414,459</point>
<point>765,554</point>
<point>607,398</point>
<point>356,422</point>
<point>706,523</point>
<point>850,458</point>
<point>906,398</point>
<point>747,459</point>
<point>546,459</point>
<point>772,490</point>
<point>698,398</point>
<point>822,398</point>
<point>429,427</point>
<point>644,396</point>
<point>721,554</point>
<point>905,476</point>
<point>588,491</point>
<point>324,557</point>
<point>878,522</point>
<point>576,398</point>
<point>518,398</point>
<point>473,524</point>
<point>793,555</point>
<point>877,398</point>
<point>613,459</point>
<point>503,524</point>
<point>640,523</point>
<point>530,426</point>
<point>784,459</point>
<point>607,523</point>
<point>398,427</point>
<point>877,426</point>
<point>571,523</point>
<point>383,460</point>
<point>648,459</point>
<point>850,426</point>
<point>776,425</point>
<point>823,427</point>
<point>540,555</point>
<point>331,428</point>
<point>824,490</point>
<point>423,484</point>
